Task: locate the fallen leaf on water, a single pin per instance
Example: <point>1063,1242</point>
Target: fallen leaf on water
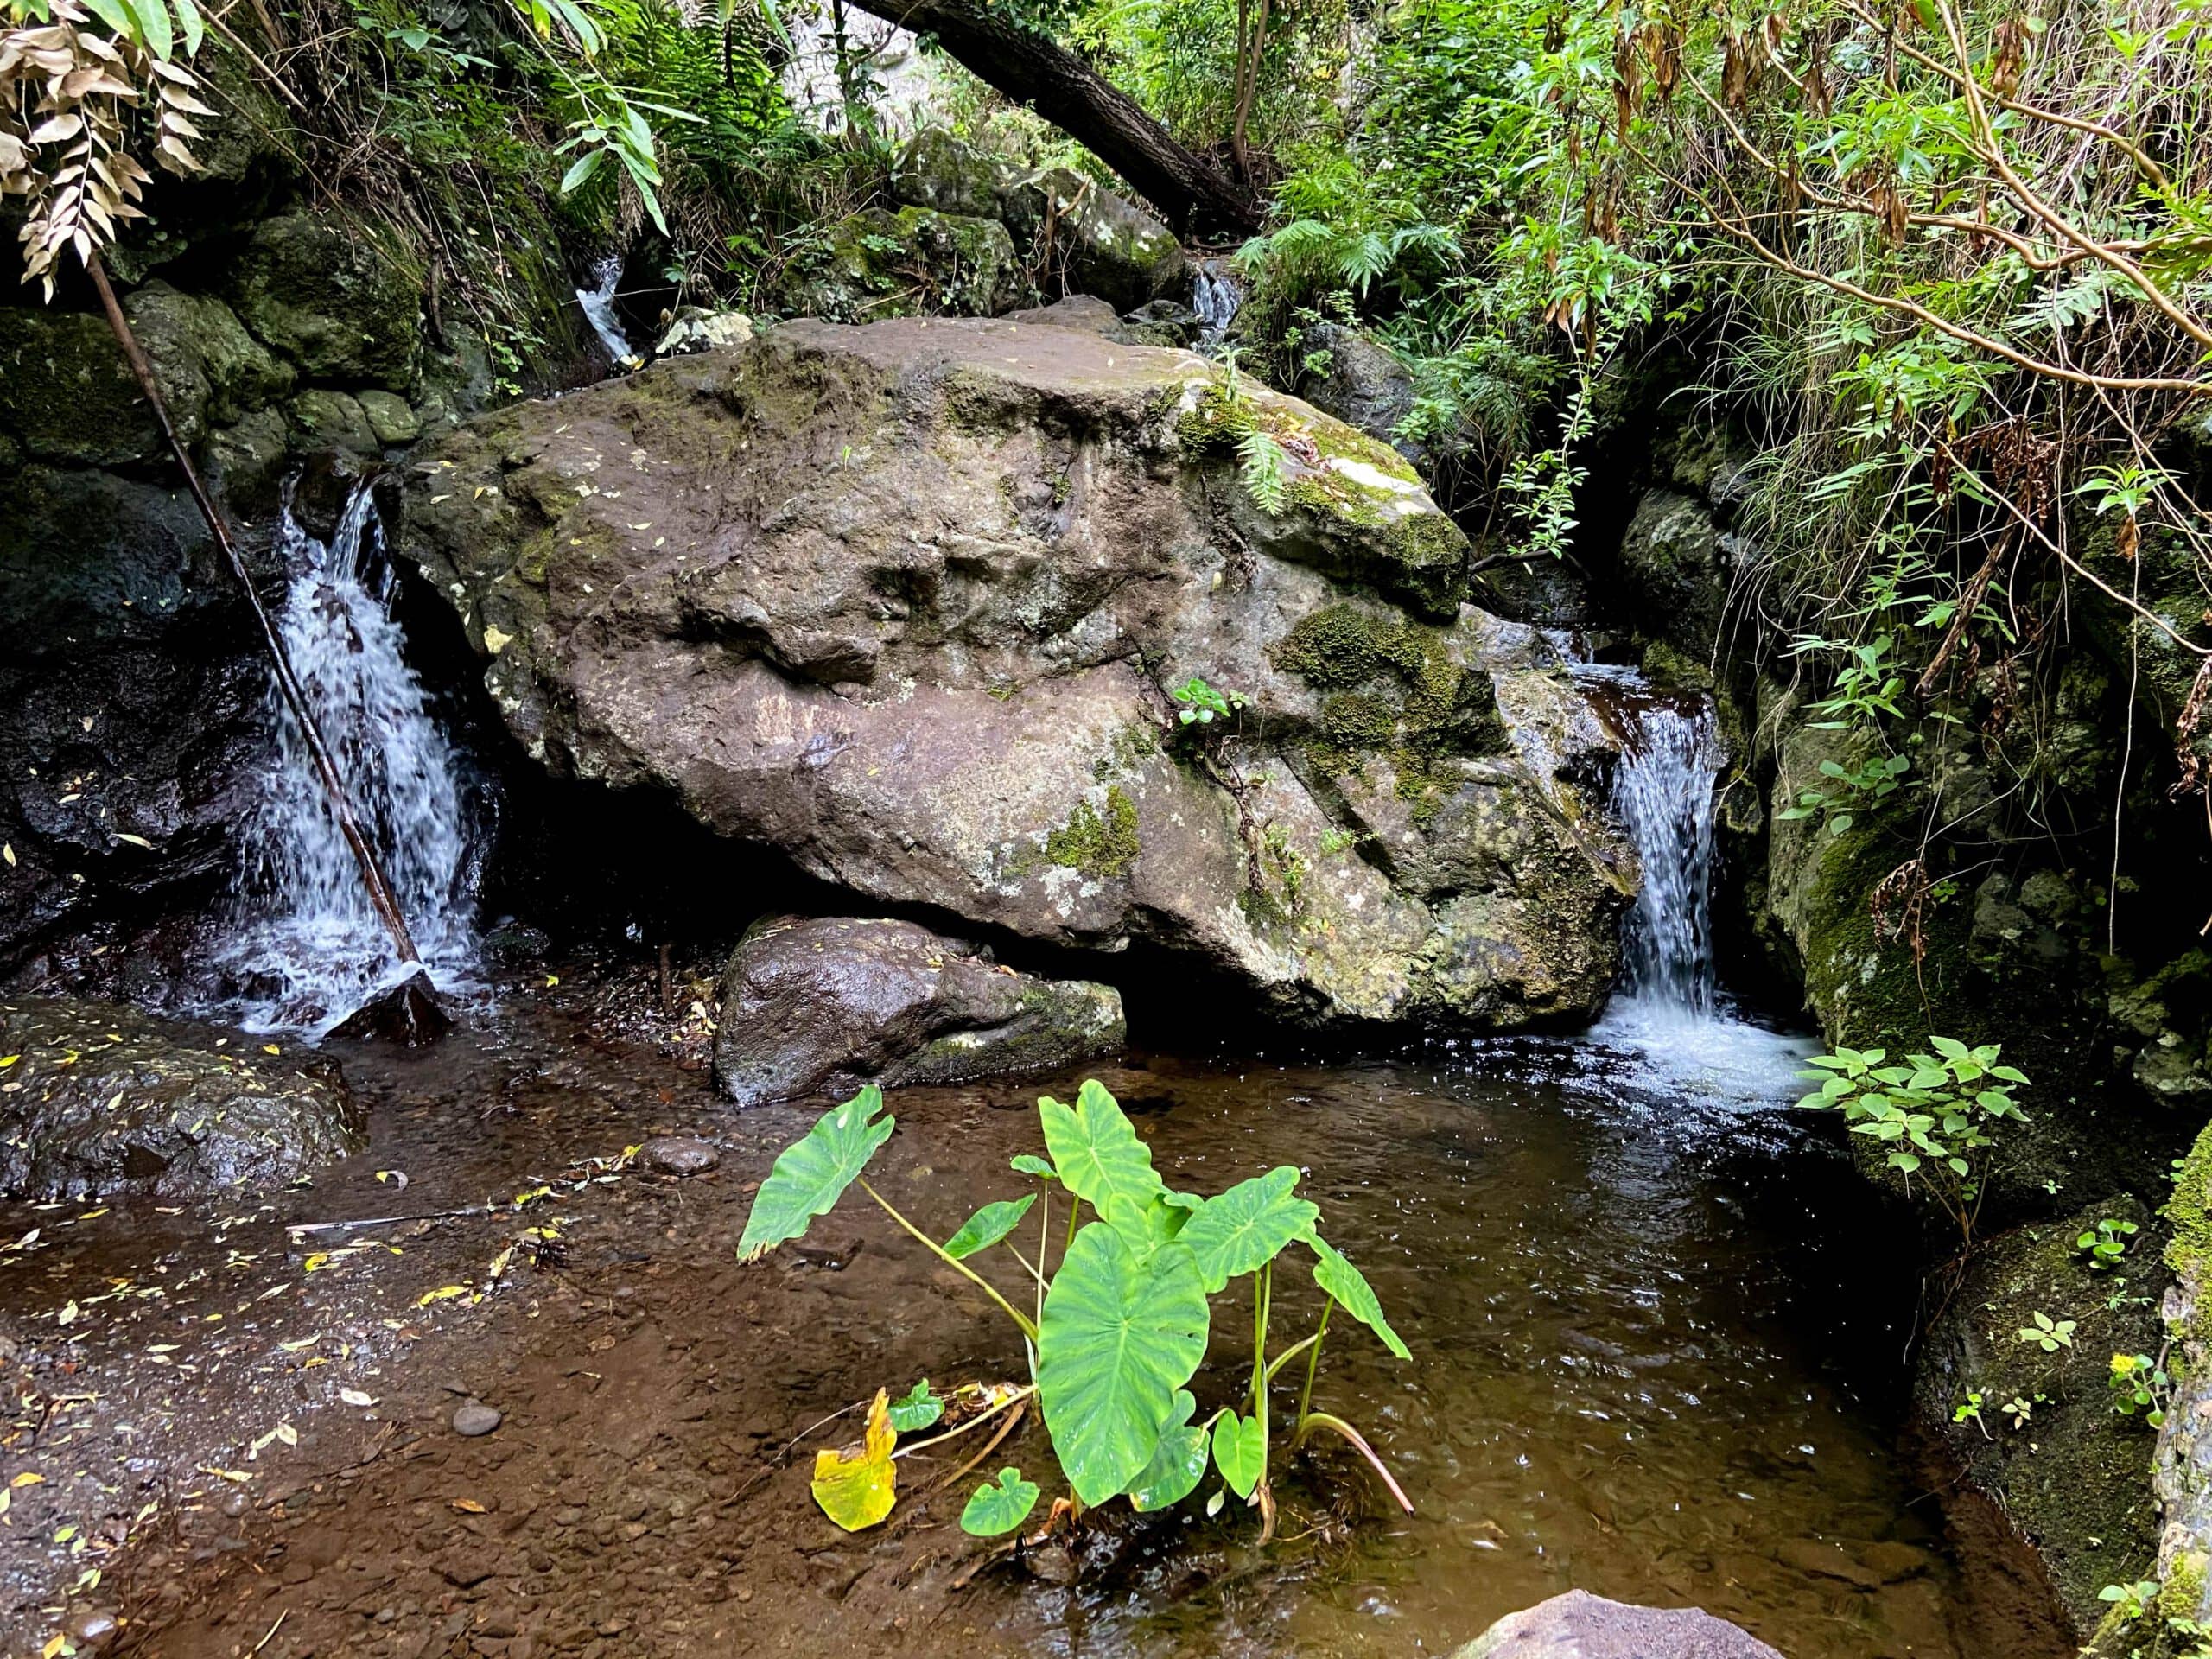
<point>856,1491</point>
<point>442,1293</point>
<point>239,1475</point>
<point>29,1478</point>
<point>468,1506</point>
<point>270,1048</point>
<point>355,1397</point>
<point>136,841</point>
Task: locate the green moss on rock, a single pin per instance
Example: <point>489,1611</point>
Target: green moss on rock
<point>1102,846</point>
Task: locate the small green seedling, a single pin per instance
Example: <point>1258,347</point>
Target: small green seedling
<point>2106,1242</point>
<point>2048,1334</point>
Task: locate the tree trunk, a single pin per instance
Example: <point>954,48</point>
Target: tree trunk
<point>1197,197</point>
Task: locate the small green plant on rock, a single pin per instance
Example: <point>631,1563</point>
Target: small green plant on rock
<point>2106,1242</point>
<point>2048,1334</point>
<point>1115,1333</point>
<point>2140,1382</point>
<point>1197,703</point>
<point>1876,778</point>
<point>1934,1113</point>
<point>2130,1601</point>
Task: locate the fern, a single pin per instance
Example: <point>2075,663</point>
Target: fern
<point>1260,462</point>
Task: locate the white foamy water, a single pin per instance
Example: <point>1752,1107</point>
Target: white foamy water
<point>302,947</point>
<point>1216,295</point>
<point>598,303</point>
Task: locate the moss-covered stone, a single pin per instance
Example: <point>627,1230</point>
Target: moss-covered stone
<point>2074,1476</point>
<point>332,298</point>
<point>68,394</point>
<point>1102,846</point>
<point>911,262</point>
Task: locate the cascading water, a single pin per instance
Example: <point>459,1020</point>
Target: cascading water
<point>1669,1020</point>
<point>1663,792</point>
<point>1216,295</point>
<point>598,303</point>
<point>304,948</point>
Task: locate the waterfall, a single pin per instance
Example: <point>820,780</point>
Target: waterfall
<point>1216,294</point>
<point>598,302</point>
<point>304,949</point>
<point>1663,792</point>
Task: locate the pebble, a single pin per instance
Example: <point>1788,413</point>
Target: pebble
<point>679,1154</point>
<point>475,1418</point>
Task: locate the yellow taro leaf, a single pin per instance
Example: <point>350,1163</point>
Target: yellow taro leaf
<point>857,1491</point>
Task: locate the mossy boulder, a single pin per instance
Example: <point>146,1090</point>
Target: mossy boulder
<point>107,1101</point>
<point>2070,1472</point>
<point>939,171</point>
<point>1091,241</point>
<point>911,262</point>
<point>822,1005</point>
<point>330,298</point>
<point>907,601</point>
<point>66,393</point>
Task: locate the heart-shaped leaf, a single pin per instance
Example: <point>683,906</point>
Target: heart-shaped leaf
<point>811,1174</point>
<point>1349,1287</point>
<point>1247,1227</point>
<point>986,1227</point>
<point>1122,1333</point>
<point>1179,1462</point>
<point>856,1490</point>
<point>921,1406</point>
<point>1240,1451</point>
<point>1029,1163</point>
<point>1097,1153</point>
<point>999,1506</point>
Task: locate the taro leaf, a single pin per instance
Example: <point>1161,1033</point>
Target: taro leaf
<point>1247,1227</point>
<point>1240,1451</point>
<point>1349,1287</point>
<point>986,1227</point>
<point>1179,1462</point>
<point>1029,1163</point>
<point>1147,1229</point>
<point>858,1491</point>
<point>922,1407</point>
<point>1097,1153</point>
<point>999,1506</point>
<point>1122,1333</point>
<point>811,1174</point>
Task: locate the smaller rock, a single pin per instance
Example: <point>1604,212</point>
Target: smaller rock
<point>1579,1625</point>
<point>1094,241</point>
<point>408,1014</point>
<point>1161,322</point>
<point>937,170</point>
<point>335,418</point>
<point>696,329</point>
<point>476,1419</point>
<point>1084,312</point>
<point>92,1629</point>
<point>390,417</point>
<point>679,1154</point>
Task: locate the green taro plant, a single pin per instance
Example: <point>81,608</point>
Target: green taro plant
<point>2106,1242</point>
<point>1114,1332</point>
<point>1934,1112</point>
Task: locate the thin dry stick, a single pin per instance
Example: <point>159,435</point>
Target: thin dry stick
<point>295,697</point>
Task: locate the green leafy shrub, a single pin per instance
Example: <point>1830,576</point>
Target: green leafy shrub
<point>1116,1331</point>
<point>1934,1112</point>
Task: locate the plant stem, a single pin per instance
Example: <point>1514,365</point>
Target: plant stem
<point>1289,1354</point>
<point>1312,1364</point>
<point>1338,1426</point>
<point>981,1417</point>
<point>1075,1214</point>
<point>1044,1247</point>
<point>1029,1325</point>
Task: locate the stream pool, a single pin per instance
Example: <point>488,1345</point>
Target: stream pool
<point>1659,1335</point>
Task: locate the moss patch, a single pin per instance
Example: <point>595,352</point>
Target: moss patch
<point>1102,846</point>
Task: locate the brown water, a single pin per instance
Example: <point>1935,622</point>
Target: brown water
<point>1658,1347</point>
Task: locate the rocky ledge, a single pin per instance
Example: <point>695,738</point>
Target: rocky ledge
<point>910,603</point>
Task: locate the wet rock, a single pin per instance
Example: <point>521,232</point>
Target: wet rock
<point>1579,1625</point>
<point>107,1100</point>
<point>335,419</point>
<point>1167,322</point>
<point>1361,382</point>
<point>1093,241</point>
<point>1085,313</point>
<point>812,1005</point>
<point>879,263</point>
<point>408,1014</point>
<point>389,418</point>
<point>2074,1477</point>
<point>475,1420</point>
<point>1677,564</point>
<point>679,1154</point>
<point>330,300</point>
<point>94,1629</point>
<point>938,672</point>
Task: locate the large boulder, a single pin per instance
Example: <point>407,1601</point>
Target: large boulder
<point>818,1006</point>
<point>1093,242</point>
<point>878,264</point>
<point>1579,1625</point>
<point>1361,382</point>
<point>331,299</point>
<point>2030,1420</point>
<point>99,1099</point>
<point>939,171</point>
<point>907,602</point>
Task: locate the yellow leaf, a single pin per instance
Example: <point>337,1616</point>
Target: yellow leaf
<point>27,1479</point>
<point>468,1506</point>
<point>858,1491</point>
<point>443,1293</point>
<point>7,1060</point>
<point>56,1644</point>
<point>270,1048</point>
<point>496,639</point>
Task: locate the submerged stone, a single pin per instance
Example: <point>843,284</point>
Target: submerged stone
<point>815,1006</point>
<point>102,1100</point>
<point>408,1014</point>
